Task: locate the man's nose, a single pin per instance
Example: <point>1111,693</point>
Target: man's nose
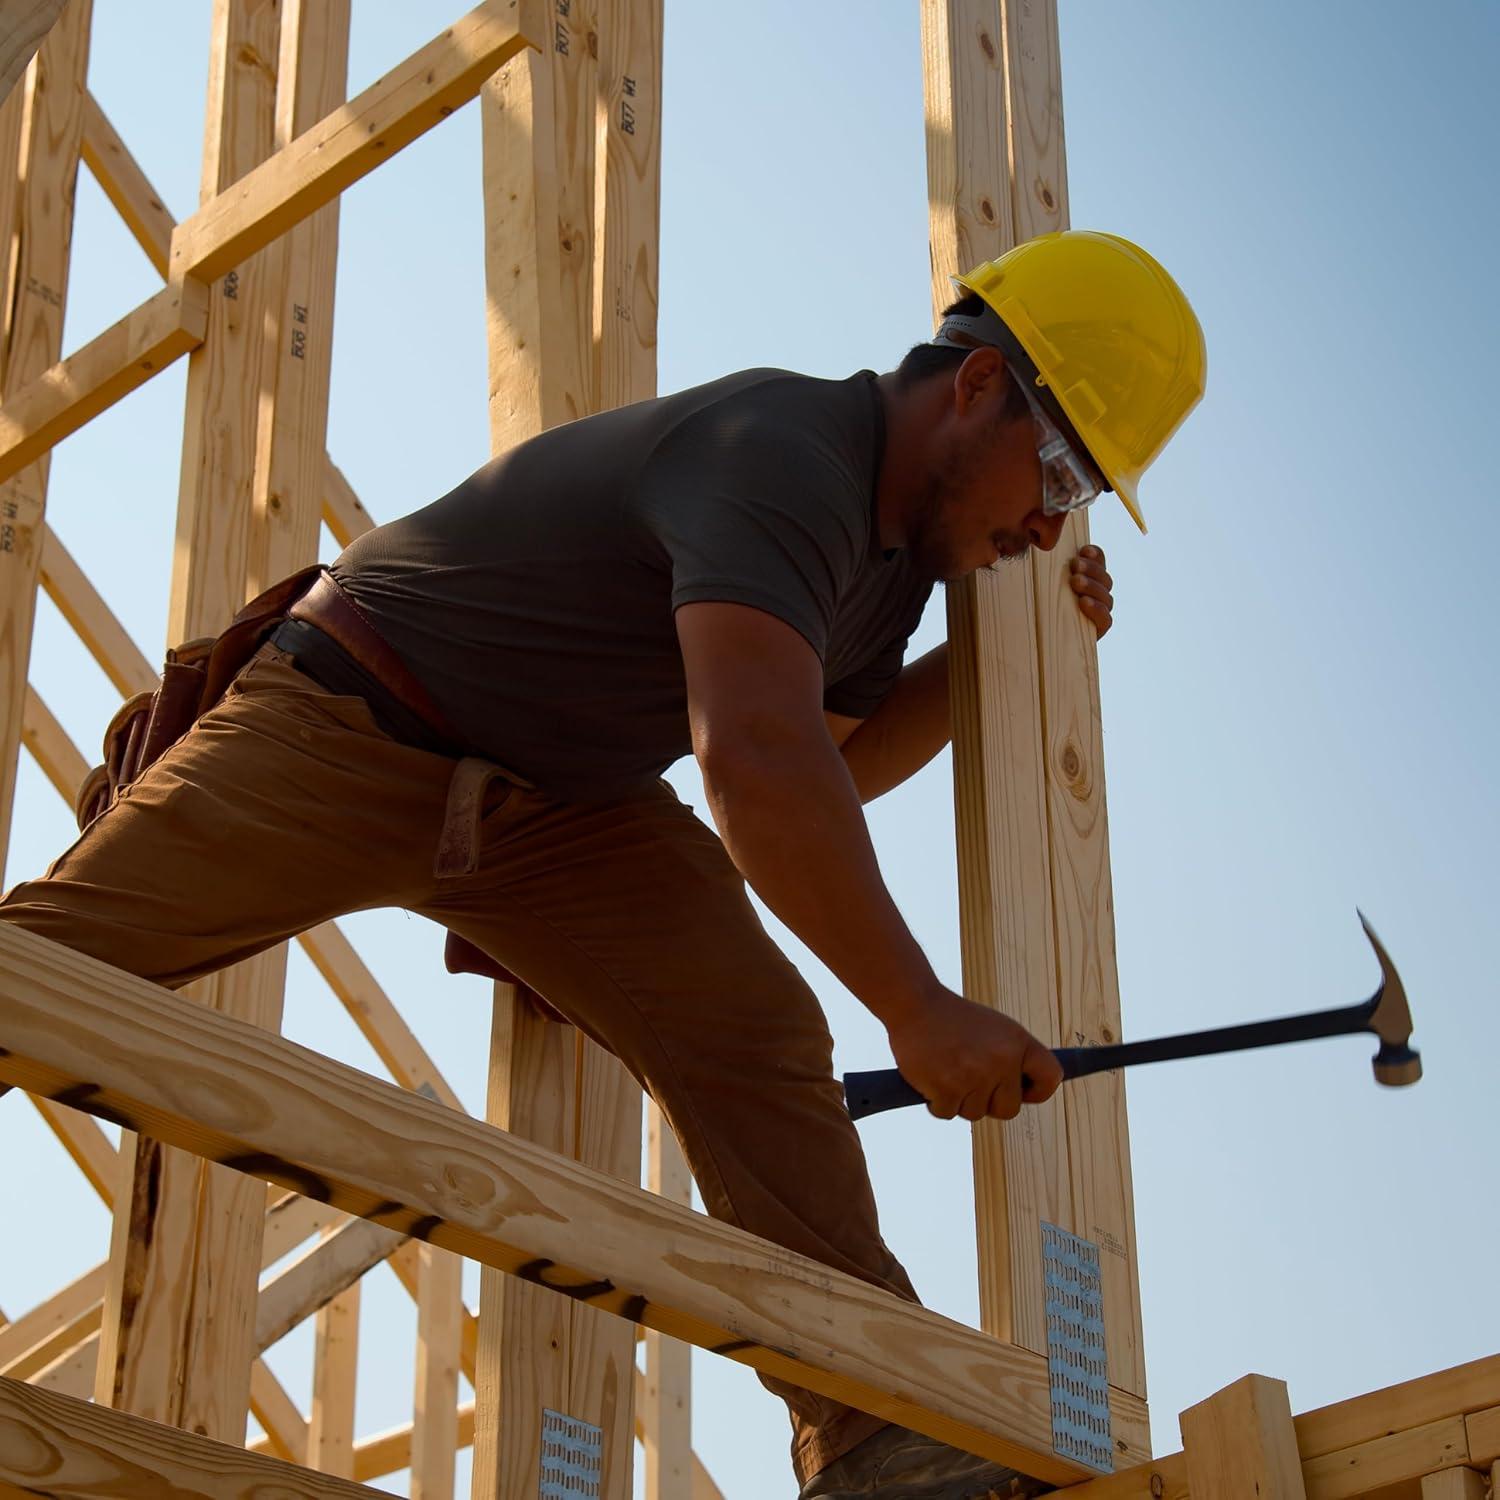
<point>1046,531</point>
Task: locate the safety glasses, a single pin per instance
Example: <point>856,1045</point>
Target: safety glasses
<point>1067,482</point>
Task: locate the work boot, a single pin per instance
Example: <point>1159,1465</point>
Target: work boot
<point>898,1464</point>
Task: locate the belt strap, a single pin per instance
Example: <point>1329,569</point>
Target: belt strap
<point>328,607</point>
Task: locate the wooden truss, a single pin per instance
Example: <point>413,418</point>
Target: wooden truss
<point>121,1383</point>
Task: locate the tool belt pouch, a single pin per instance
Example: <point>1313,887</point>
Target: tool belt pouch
<point>192,681</point>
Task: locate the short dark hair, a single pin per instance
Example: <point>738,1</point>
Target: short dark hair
<point>923,361</point>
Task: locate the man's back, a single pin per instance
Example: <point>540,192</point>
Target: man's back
<point>535,600</point>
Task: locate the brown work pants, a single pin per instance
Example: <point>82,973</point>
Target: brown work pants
<point>286,805</point>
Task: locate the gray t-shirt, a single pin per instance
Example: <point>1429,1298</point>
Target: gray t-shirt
<point>535,601</point>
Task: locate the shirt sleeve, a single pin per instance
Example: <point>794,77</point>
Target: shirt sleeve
<point>746,519</point>
<point>858,695</point>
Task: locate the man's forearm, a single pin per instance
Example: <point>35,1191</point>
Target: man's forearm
<point>790,818</point>
<point>911,725</point>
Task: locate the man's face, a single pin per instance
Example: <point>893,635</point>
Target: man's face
<point>982,500</point>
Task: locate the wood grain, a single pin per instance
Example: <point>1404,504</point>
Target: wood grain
<point>243,1096</point>
<point>1005,901</point>
<point>38,416</point>
<point>58,1446</point>
<point>355,139</point>
<point>665,1417</point>
<point>126,186</point>
<point>1240,1443</point>
<point>187,1236</point>
<point>45,119</point>
<point>330,1423</point>
<point>23,24</point>
<point>435,1428</point>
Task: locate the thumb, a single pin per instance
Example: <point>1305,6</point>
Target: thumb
<point>1042,1071</point>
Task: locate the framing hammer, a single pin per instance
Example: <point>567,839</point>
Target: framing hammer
<point>1385,1013</point>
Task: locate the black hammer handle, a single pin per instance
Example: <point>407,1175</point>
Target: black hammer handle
<point>885,1088</point>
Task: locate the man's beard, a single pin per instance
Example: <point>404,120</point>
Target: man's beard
<point>931,545</point>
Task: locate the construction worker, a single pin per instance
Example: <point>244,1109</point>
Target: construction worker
<point>470,715</point>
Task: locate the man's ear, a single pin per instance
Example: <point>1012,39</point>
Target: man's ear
<point>979,378</point>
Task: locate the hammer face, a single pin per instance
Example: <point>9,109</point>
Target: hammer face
<point>1396,1066</point>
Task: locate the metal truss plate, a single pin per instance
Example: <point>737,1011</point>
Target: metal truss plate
<point>1076,1361</point>
<point>572,1458</point>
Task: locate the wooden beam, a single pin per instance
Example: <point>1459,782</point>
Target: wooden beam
<point>38,416</point>
<point>1241,1445</point>
<point>1387,1462</point>
<point>38,188</point>
<point>1471,1387</point>
<point>353,140</point>
<point>325,1271</point>
<point>80,604</point>
<point>247,1098</point>
<point>343,512</point>
<point>36,1338</point>
<point>48,743</point>
<point>55,1445</point>
<point>285,1426</point>
<point>126,186</point>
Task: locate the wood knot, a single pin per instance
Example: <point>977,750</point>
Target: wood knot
<point>986,210</point>
<point>1071,762</point>
<point>1106,1034</point>
<point>1049,202</point>
<point>594,45</point>
<point>1158,1487</point>
<point>987,45</point>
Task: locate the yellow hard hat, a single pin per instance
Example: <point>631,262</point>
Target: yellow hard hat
<point>1114,342</point>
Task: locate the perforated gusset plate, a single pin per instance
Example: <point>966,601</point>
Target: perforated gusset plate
<point>572,1458</point>
<point>1076,1359</point>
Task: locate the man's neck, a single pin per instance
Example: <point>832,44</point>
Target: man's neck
<point>909,417</point>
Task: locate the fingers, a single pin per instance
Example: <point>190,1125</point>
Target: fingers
<point>1091,583</point>
<point>1041,1074</point>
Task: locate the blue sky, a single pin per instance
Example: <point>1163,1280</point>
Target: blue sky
<point>1299,695</point>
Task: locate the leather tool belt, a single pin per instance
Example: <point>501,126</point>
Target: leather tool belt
<point>196,675</point>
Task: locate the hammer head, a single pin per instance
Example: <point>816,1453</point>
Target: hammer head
<point>1396,1064</point>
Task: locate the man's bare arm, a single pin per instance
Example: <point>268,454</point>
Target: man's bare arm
<point>909,727</point>
<point>786,807</point>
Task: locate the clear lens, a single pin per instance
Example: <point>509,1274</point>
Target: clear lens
<point>1067,483</point>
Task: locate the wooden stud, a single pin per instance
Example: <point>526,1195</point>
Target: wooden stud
<point>666,1405</point>
<point>1454,1484</point>
<point>47,118</point>
<point>435,1434</point>
<point>1240,1444</point>
<point>543,140</point>
<point>34,1339</point>
<point>243,1096</point>
<point>1035,904</point>
<point>289,468</point>
<point>187,1236</point>
<point>54,1445</point>
<point>330,1427</point>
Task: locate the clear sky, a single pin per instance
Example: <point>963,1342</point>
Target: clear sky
<point>1299,699</point>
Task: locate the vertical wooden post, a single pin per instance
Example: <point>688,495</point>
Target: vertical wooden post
<point>1456,1484</point>
<point>434,1433</point>
<point>179,1320</point>
<point>569,334</point>
<point>666,1408</point>
<point>41,130</point>
<point>330,1427</point>
<point>1035,903</point>
<point>1240,1444</point>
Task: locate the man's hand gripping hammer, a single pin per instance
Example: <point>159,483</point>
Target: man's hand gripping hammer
<point>1385,1013</point>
